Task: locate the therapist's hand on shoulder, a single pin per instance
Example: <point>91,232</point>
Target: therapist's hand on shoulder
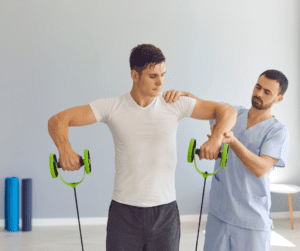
<point>172,95</point>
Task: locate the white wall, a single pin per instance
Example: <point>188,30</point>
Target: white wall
<point>59,54</point>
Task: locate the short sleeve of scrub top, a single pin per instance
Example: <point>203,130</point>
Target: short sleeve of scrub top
<point>276,145</point>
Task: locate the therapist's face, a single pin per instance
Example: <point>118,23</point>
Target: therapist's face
<point>265,93</point>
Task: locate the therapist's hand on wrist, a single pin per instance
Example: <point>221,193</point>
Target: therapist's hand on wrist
<point>228,138</point>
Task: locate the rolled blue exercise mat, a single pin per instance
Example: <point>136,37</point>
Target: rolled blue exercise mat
<point>5,202</point>
<point>12,204</point>
<point>26,204</point>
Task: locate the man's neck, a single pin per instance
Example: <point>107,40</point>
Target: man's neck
<point>140,99</point>
<point>259,115</point>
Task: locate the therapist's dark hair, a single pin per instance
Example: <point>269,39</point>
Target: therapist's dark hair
<point>143,55</point>
<point>280,77</point>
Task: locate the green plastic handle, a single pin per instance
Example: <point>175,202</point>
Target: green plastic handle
<point>86,161</point>
<point>70,184</point>
<point>222,162</point>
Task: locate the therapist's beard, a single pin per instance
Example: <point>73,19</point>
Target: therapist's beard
<point>257,104</point>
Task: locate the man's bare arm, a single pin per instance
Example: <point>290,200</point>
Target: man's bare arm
<point>224,115</point>
<point>58,125</point>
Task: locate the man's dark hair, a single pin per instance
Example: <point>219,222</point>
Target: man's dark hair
<point>280,77</point>
<point>143,55</point>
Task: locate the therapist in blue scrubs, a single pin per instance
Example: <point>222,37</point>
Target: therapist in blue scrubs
<point>240,199</point>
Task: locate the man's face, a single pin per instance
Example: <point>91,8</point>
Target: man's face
<point>151,80</point>
<point>265,93</point>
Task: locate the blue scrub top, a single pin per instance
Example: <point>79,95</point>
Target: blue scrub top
<point>237,196</point>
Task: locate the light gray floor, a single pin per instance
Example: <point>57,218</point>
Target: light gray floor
<point>68,238</point>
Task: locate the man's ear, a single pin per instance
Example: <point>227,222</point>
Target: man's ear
<point>135,75</point>
<point>279,99</point>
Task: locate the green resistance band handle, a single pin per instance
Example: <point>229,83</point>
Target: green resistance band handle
<point>191,157</point>
<point>54,165</point>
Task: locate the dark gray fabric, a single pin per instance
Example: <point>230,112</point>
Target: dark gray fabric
<point>143,228</point>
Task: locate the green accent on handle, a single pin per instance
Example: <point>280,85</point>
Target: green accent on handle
<point>192,152</point>
<point>86,161</point>
<point>70,184</point>
<point>51,166</point>
<point>54,165</point>
<point>205,175</point>
<point>224,155</point>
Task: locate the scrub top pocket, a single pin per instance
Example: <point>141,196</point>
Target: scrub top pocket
<point>249,206</point>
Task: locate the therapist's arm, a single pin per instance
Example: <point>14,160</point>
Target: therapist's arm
<point>258,165</point>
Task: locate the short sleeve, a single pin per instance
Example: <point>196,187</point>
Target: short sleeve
<point>277,146</point>
<point>102,108</point>
<point>184,106</point>
<point>238,109</point>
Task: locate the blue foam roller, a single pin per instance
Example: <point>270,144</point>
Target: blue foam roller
<point>12,204</point>
<point>6,196</point>
<point>26,204</point>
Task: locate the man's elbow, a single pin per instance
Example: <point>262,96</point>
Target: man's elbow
<point>52,120</point>
<point>223,108</point>
<point>231,112</point>
<point>227,111</point>
<point>262,171</point>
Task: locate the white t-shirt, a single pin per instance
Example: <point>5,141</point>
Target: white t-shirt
<point>145,146</point>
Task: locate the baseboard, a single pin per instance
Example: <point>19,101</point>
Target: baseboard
<point>103,220</point>
<point>274,215</point>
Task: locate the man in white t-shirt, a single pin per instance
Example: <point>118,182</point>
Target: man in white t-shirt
<point>143,214</point>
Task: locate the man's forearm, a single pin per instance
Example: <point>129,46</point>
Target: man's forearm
<point>59,131</point>
<point>225,119</point>
<point>250,160</point>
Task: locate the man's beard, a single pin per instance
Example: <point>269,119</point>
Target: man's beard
<point>258,104</point>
